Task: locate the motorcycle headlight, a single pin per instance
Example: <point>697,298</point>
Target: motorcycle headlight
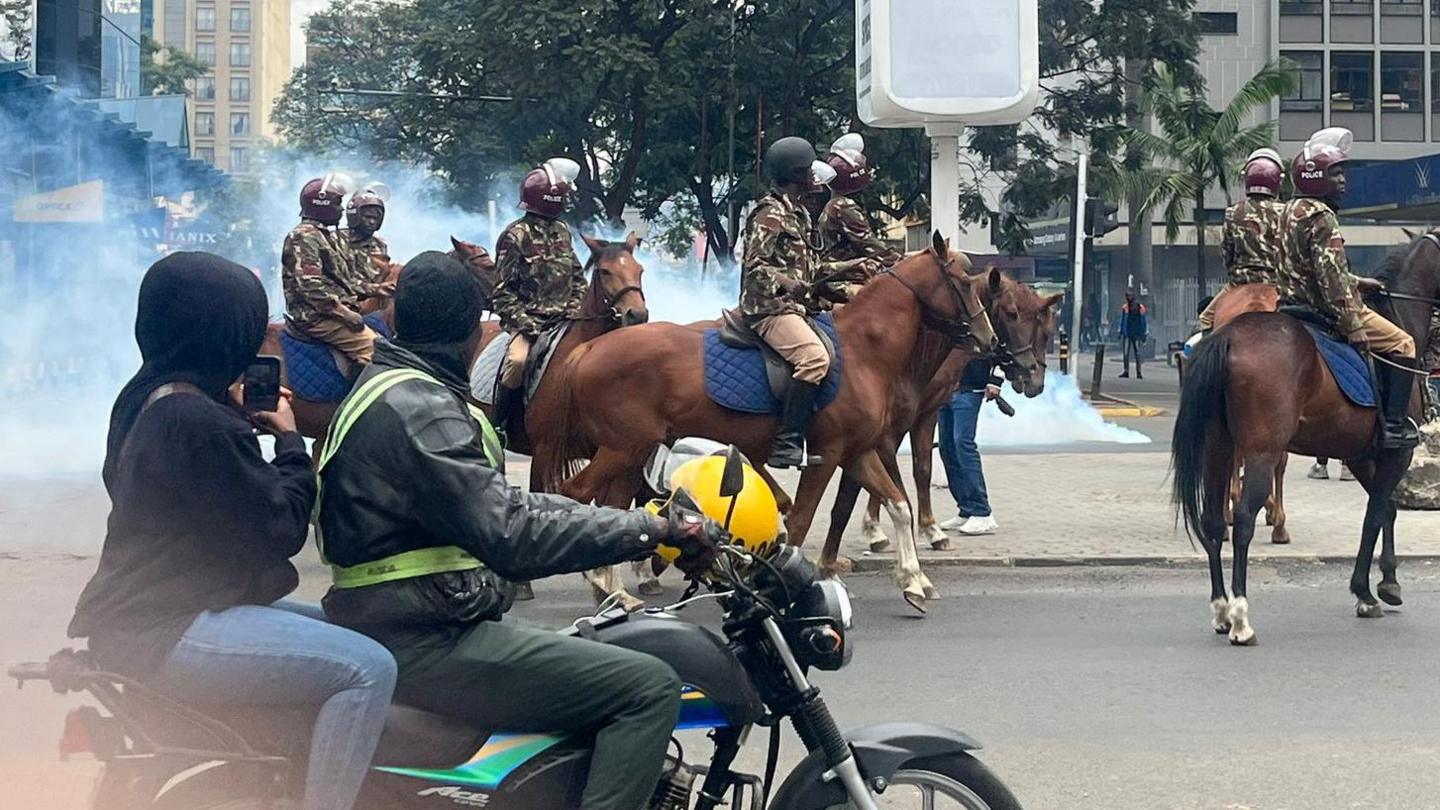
<point>823,618</point>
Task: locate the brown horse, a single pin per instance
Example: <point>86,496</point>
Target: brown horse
<point>313,418</point>
<point>1024,322</point>
<point>629,391</point>
<point>1256,389</point>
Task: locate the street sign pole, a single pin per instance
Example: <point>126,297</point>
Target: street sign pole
<point>1078,295</point>
<point>945,180</point>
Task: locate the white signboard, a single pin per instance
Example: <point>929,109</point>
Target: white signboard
<point>923,62</point>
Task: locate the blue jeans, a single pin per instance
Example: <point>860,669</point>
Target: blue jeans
<point>274,656</point>
<point>961,456</point>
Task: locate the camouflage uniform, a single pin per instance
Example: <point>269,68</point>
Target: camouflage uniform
<point>541,284</point>
<point>371,259</point>
<point>1250,246</point>
<point>845,233</point>
<point>1316,273</point>
<point>322,293</point>
<point>777,246</point>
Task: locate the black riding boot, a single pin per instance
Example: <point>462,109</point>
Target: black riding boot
<point>510,409</point>
<point>1397,385</point>
<point>789,447</point>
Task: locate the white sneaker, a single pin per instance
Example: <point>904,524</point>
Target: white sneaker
<point>1318,472</point>
<point>979,525</point>
<point>953,524</point>
<point>1345,474</point>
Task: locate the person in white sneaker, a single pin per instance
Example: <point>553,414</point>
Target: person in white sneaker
<point>959,453</point>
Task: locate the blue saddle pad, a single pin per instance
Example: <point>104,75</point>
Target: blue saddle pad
<point>735,378</point>
<point>310,369</point>
<point>1348,368</point>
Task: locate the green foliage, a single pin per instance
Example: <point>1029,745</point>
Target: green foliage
<point>19,19</point>
<point>166,69</point>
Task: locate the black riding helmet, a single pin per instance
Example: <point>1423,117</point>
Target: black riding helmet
<point>788,160</point>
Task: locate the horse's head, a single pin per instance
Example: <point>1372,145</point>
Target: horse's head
<point>615,282</point>
<point>478,260</point>
<point>1024,322</point>
<point>950,298</point>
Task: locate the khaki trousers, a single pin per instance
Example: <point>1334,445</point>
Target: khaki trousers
<point>1383,337</point>
<point>513,373</point>
<point>1207,318</point>
<point>791,337</point>
<point>357,347</point>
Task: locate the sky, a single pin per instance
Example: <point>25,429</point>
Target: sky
<point>300,11</point>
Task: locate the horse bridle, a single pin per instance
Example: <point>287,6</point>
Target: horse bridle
<point>958,330</point>
<point>1433,238</point>
<point>611,301</point>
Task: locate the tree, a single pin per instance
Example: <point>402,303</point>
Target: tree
<point>166,69</point>
<point>1197,147</point>
<point>19,18</point>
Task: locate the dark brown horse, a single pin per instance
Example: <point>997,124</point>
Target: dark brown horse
<point>1024,322</point>
<point>628,391</point>
<point>1257,389</point>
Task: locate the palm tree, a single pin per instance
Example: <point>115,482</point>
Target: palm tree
<point>1196,148</point>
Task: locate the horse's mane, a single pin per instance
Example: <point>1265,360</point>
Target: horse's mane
<point>1390,266</point>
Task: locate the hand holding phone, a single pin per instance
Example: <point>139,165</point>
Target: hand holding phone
<point>260,387</point>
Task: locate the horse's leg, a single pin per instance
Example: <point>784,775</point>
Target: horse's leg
<point>1379,479</point>
<point>870,530</point>
<point>1219,474</point>
<point>1275,509</point>
<point>922,462</point>
<point>912,581</point>
<point>593,484</point>
<point>1254,490</point>
<point>831,563</point>
<point>1389,589</point>
<point>1234,493</point>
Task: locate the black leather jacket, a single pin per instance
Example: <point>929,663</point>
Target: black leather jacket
<point>412,473</point>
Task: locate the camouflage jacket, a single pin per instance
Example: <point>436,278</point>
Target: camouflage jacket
<point>371,257</point>
<point>1314,270</point>
<point>541,279</point>
<point>1250,243</point>
<point>318,275</point>
<point>1430,352</point>
<point>845,233</point>
<point>777,245</point>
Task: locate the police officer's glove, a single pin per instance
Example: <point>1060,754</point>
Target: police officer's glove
<point>690,540</point>
<point>793,287</point>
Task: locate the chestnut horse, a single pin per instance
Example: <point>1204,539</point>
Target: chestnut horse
<point>1024,322</point>
<point>1257,389</point>
<point>626,392</point>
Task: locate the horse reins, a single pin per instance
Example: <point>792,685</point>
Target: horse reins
<point>957,330</point>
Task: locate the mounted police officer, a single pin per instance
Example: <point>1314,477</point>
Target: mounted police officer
<point>845,231</point>
<point>1250,241</point>
<point>541,279</point>
<point>781,286</point>
<point>364,214</point>
<point>322,294</point>
<point>1318,275</point>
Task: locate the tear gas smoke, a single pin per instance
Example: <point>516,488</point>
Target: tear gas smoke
<point>1058,416</point>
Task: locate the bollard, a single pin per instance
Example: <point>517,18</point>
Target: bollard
<point>1098,371</point>
<point>1064,353</point>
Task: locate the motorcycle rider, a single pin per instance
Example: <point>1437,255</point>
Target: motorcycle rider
<point>364,214</point>
<point>541,279</point>
<point>1250,241</point>
<point>202,528</point>
<point>776,297</point>
<point>1317,275</point>
<point>845,232</point>
<point>322,294</point>
<point>424,535</point>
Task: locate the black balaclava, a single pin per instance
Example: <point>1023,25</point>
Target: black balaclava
<point>438,306</point>
<point>200,320</point>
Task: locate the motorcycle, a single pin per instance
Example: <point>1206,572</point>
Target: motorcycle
<point>780,622</point>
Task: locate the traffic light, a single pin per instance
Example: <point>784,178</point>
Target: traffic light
<point>1101,217</point>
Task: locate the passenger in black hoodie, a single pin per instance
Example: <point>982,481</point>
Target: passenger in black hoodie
<point>202,528</point>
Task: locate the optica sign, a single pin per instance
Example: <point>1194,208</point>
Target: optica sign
<point>82,203</point>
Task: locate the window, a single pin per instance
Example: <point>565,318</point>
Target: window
<point>205,88</point>
<point>1360,7</point>
<point>1402,82</point>
<point>239,54</point>
<point>175,24</point>
<point>205,18</point>
<point>1310,87</point>
<point>1435,84</point>
<point>240,89</point>
<point>205,53</point>
<point>1292,7</point>
<point>1352,79</point>
<point>239,123</point>
<point>239,159</point>
<point>204,123</point>
<point>205,153</point>
<point>1217,22</point>
<point>240,18</point>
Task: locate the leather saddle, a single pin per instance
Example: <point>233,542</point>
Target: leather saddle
<point>737,333</point>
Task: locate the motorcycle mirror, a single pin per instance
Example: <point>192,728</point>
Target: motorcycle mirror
<point>732,479</point>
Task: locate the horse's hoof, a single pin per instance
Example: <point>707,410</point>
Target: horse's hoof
<point>941,543</point>
<point>931,592</point>
<point>880,544</point>
<point>650,587</point>
<point>837,567</point>
<point>1219,616</point>
<point>628,603</point>
<point>1243,639</point>
<point>1280,537</point>
<point>1369,610</point>
<point>1390,593</point>
<point>1222,629</point>
<point>916,600</point>
<point>523,592</point>
<point>937,539</point>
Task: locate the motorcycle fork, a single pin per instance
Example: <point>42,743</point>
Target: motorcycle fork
<point>718,777</point>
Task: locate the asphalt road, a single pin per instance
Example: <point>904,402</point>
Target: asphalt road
<point>1090,687</point>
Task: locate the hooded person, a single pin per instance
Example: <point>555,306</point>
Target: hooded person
<point>202,528</point>
<point>424,536</point>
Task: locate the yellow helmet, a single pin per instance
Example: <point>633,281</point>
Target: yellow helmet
<point>751,516</point>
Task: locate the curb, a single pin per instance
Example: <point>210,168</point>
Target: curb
<point>1115,406</point>
<point>884,562</point>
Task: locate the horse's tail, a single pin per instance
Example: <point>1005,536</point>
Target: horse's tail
<point>557,463</point>
<point>1201,418</point>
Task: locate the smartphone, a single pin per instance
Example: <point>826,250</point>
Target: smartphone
<point>262,384</point>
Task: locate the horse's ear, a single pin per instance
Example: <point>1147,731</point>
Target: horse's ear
<point>1053,301</point>
<point>595,245</point>
<point>460,247</point>
<point>997,279</point>
<point>1410,235</point>
<point>632,241</point>
<point>939,246</point>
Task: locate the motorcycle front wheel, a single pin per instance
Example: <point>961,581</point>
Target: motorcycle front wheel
<point>950,782</point>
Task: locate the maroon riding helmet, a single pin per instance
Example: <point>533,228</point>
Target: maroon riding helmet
<point>323,199</point>
<point>1311,167</point>
<point>545,189</point>
<point>1264,173</point>
<point>847,158</point>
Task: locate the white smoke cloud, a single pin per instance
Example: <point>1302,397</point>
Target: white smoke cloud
<point>1058,416</point>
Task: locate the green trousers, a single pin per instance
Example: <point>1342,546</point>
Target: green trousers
<point>507,676</point>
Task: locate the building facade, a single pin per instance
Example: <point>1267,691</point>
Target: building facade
<point>246,43</point>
